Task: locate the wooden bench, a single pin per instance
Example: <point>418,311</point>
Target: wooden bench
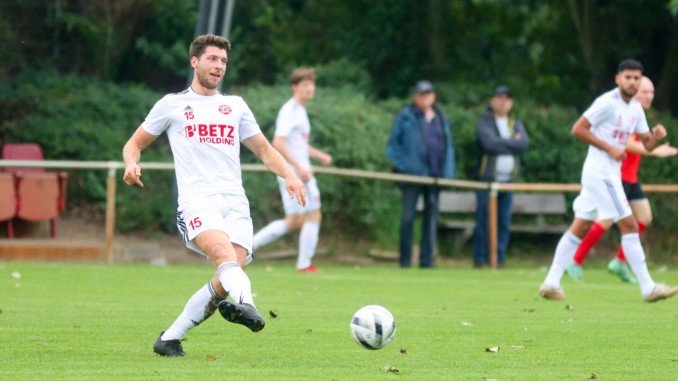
<point>464,202</point>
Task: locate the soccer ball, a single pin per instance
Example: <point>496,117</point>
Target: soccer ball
<point>373,327</point>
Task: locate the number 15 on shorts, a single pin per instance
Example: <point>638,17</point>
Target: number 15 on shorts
<point>195,223</point>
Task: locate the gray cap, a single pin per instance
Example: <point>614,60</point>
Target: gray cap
<point>502,90</point>
<point>423,87</point>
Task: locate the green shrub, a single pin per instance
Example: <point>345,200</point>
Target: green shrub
<point>78,118</point>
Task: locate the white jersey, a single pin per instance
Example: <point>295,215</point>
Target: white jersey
<point>612,121</point>
<point>205,134</point>
<point>292,124</point>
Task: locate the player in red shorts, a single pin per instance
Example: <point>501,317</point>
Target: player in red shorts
<point>634,193</point>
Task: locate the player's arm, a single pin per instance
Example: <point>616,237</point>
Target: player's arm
<point>582,131</point>
<point>651,140</point>
<point>662,150</point>
<point>276,163</point>
<point>280,143</point>
<point>131,155</point>
<point>323,157</point>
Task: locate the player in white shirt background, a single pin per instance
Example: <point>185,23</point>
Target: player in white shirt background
<point>606,127</point>
<point>292,132</point>
<point>205,130</point>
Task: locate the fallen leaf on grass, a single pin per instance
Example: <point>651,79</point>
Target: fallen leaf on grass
<point>15,275</point>
<point>390,369</point>
<point>492,349</point>
<point>466,324</point>
<point>211,358</point>
<point>273,314</point>
<point>403,351</point>
<point>569,307</point>
<point>593,377</point>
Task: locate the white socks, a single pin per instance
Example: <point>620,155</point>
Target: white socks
<point>198,308</point>
<point>235,282</point>
<point>563,257</point>
<point>308,240</point>
<point>205,301</point>
<point>269,233</point>
<point>635,256</point>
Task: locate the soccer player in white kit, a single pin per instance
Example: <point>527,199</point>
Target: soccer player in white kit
<point>606,126</point>
<point>205,129</point>
<point>292,131</point>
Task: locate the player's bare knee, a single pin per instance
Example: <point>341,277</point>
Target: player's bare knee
<point>315,216</point>
<point>580,227</point>
<point>628,225</point>
<point>221,252</point>
<point>293,222</point>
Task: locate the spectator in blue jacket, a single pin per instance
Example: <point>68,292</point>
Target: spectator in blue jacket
<point>501,138</point>
<point>421,144</point>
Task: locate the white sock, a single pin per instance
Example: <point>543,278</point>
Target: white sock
<point>235,282</point>
<point>198,308</point>
<point>563,257</point>
<point>635,257</point>
<point>308,240</point>
<point>269,233</point>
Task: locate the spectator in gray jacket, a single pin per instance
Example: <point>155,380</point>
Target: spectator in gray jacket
<point>501,138</point>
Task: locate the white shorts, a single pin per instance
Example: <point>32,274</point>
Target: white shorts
<point>225,212</point>
<point>601,199</point>
<point>291,205</point>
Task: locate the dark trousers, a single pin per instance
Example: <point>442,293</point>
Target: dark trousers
<point>430,224</point>
<point>481,234</point>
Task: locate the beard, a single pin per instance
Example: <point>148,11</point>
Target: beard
<point>629,93</point>
<point>206,81</point>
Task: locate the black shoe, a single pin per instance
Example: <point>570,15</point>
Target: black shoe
<point>242,313</point>
<point>169,347</point>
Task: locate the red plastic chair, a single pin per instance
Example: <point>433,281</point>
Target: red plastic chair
<point>35,198</point>
<point>22,151</point>
<point>38,198</point>
<point>8,201</point>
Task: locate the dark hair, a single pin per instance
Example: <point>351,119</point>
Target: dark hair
<point>200,43</point>
<point>629,64</point>
<point>301,73</point>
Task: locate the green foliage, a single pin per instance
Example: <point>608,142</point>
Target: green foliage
<point>78,118</point>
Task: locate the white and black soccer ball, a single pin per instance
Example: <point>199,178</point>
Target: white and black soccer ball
<point>373,327</point>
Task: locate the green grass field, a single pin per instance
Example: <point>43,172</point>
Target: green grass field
<point>64,321</point>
